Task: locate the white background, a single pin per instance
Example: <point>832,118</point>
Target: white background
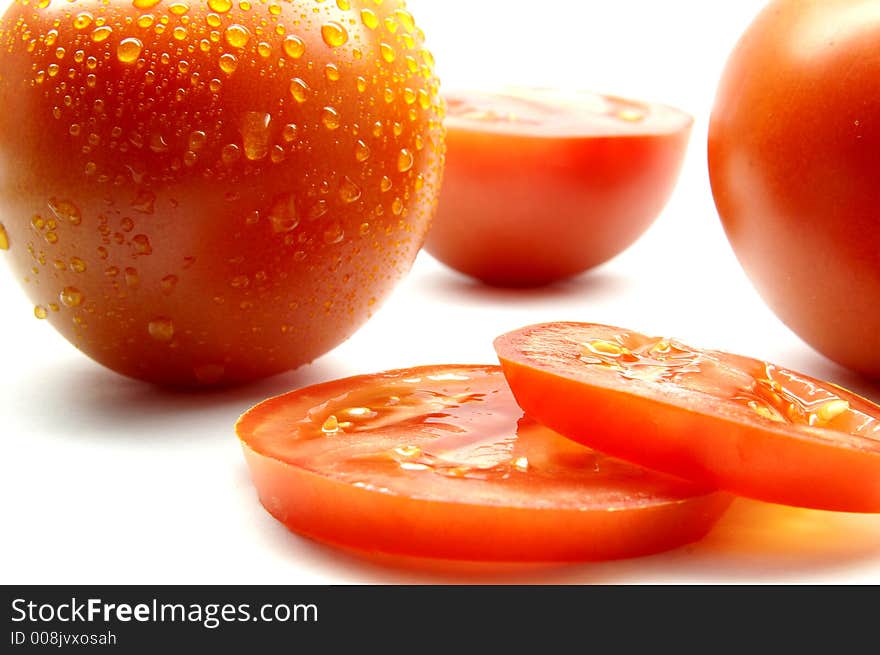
<point>107,480</point>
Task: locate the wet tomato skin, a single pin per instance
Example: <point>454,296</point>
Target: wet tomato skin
<point>541,186</point>
<point>208,193</point>
<point>793,162</point>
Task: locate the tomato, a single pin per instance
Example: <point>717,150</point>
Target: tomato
<point>541,185</point>
<point>793,161</point>
<point>742,425</point>
<point>438,461</point>
<point>211,192</point>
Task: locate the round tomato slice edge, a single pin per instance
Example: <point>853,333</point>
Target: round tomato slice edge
<point>727,443</point>
<point>542,185</point>
<point>402,520</point>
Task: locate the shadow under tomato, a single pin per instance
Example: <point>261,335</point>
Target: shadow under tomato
<point>82,399</point>
<point>752,542</point>
<point>382,568</point>
<point>755,538</point>
<point>454,287</point>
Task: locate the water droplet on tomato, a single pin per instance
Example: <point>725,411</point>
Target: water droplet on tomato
<point>289,132</point>
<point>178,8</point>
<point>230,153</point>
<point>40,312</point>
<point>161,329</point>
<point>387,52</point>
<point>145,4</point>
<point>349,191</point>
<point>132,279</point>
<point>405,160</point>
<point>144,202</point>
<point>4,238</point>
<point>331,72</point>
<point>77,265</point>
<point>228,63</point>
<point>334,234</point>
<point>237,35</point>
<point>255,134</point>
<point>102,33</point>
<point>299,90</point>
<point>369,19</point>
<point>71,297</point>
<point>141,243</point>
<point>318,210</point>
<point>406,19</point>
<point>129,50</point>
<point>293,46</point>
<point>361,151</point>
<point>330,118</point>
<point>220,6</point>
<point>277,154</point>
<point>65,210</point>
<point>168,284</point>
<point>334,34</point>
<point>83,20</point>
<point>283,215</point>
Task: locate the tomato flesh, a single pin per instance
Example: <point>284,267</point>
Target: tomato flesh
<point>541,185</point>
<point>440,462</point>
<point>737,423</point>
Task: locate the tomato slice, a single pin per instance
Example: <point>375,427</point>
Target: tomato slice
<point>540,185</point>
<point>737,423</point>
<point>439,462</point>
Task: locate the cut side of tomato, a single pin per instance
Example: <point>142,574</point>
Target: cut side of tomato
<point>733,422</point>
<point>440,462</point>
<point>540,185</point>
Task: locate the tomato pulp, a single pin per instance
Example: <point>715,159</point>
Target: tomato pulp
<point>541,185</point>
<point>439,462</point>
<point>793,161</point>
<point>733,422</point>
<point>211,192</point>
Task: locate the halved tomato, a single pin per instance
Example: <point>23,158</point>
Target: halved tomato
<point>439,462</point>
<point>733,422</point>
<point>540,185</point>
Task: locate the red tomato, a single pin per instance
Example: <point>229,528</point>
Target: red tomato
<point>718,419</point>
<point>439,462</point>
<point>793,158</point>
<point>541,186</point>
<point>210,192</point>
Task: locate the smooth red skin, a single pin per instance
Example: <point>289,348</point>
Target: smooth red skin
<point>294,307</point>
<point>521,210</point>
<point>793,161</point>
<point>693,435</point>
<point>340,514</point>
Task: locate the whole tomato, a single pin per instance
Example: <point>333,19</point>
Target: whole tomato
<point>211,192</point>
<point>794,158</point>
